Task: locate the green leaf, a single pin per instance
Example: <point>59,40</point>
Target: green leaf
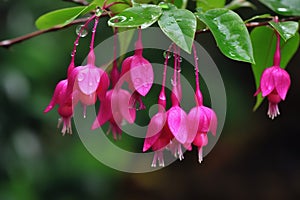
<point>62,17</point>
<point>230,33</point>
<point>263,41</point>
<point>283,7</point>
<point>263,16</point>
<point>180,26</point>
<point>285,29</point>
<point>205,5</point>
<point>236,4</point>
<point>143,15</point>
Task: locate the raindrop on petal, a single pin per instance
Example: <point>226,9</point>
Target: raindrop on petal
<point>80,77</point>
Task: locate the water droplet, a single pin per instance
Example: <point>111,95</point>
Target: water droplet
<point>72,54</point>
<point>91,84</point>
<point>179,59</point>
<point>76,43</point>
<point>98,12</point>
<point>80,77</point>
<point>130,19</point>
<point>173,82</point>
<point>80,31</point>
<point>282,9</point>
<point>167,53</point>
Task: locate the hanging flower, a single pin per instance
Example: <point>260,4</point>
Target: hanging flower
<point>65,106</point>
<point>89,82</point>
<point>274,82</point>
<point>138,72</point>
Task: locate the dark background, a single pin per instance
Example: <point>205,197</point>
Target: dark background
<point>255,157</point>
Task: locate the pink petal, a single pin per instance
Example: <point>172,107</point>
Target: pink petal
<point>121,100</point>
<point>282,82</point>
<point>155,128</point>
<point>193,123</point>
<point>267,84</point>
<point>104,113</point>
<point>59,91</point>
<point>177,122</point>
<point>125,68</point>
<point>88,79</point>
<point>212,119</point>
<point>200,140</point>
<point>103,85</point>
<point>141,74</point>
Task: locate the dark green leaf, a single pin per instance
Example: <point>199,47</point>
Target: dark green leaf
<point>283,7</point>
<point>285,29</point>
<point>205,5</point>
<point>143,15</point>
<point>230,33</point>
<point>180,26</point>
<point>62,17</point>
<point>263,41</point>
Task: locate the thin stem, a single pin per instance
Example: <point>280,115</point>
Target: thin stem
<point>78,37</point>
<point>196,67</point>
<point>94,33</point>
<point>10,42</point>
<point>112,4</point>
<point>276,61</point>
<point>198,94</point>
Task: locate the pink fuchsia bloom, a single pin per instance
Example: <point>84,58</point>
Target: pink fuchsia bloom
<point>115,108</point>
<point>158,135</point>
<point>274,82</point>
<point>88,82</point>
<point>138,72</point>
<point>201,121</point>
<point>65,106</point>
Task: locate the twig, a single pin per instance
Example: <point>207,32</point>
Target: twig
<point>8,43</point>
<point>80,2</point>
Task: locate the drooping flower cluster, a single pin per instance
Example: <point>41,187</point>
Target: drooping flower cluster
<point>174,128</point>
<point>274,82</point>
<point>87,83</point>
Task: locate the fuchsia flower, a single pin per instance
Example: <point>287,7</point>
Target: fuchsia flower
<point>167,130</point>
<point>117,105</point>
<point>65,106</point>
<point>138,72</point>
<point>89,82</point>
<point>201,121</point>
<point>274,83</point>
<point>158,134</point>
<point>114,109</point>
